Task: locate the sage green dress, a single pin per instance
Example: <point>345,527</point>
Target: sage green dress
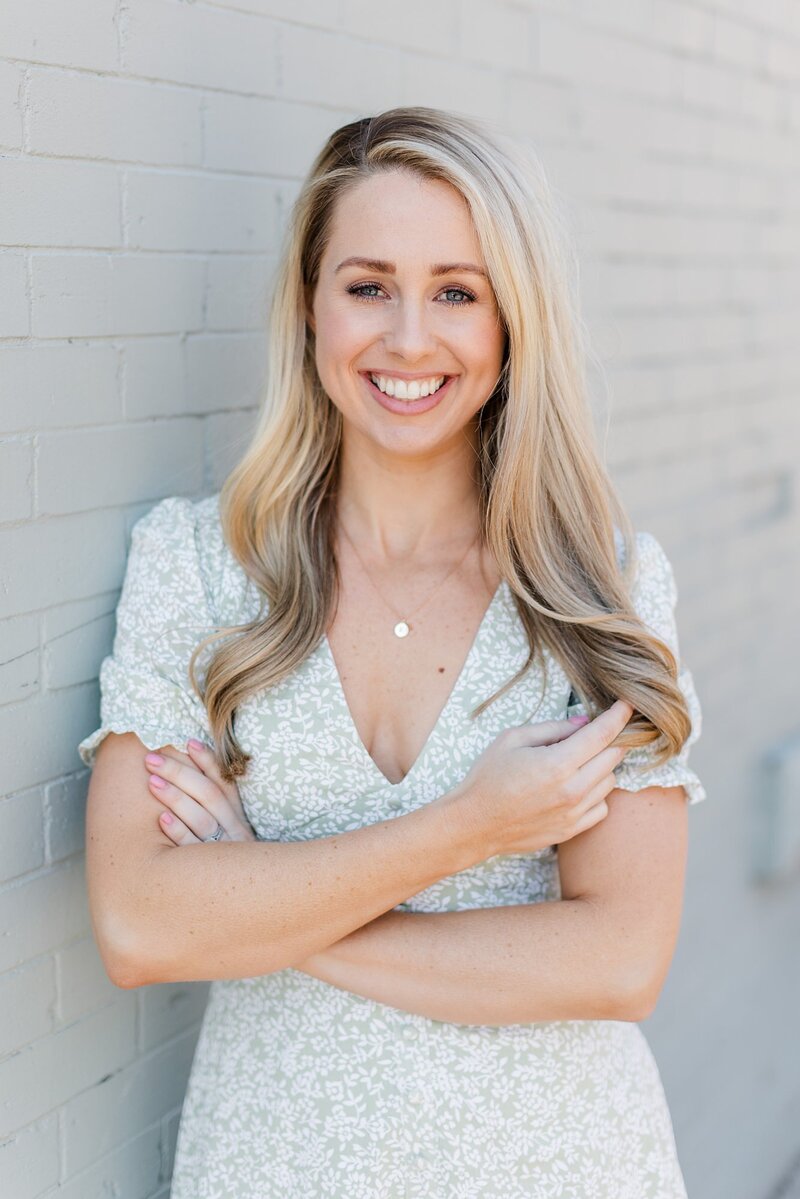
<point>301,1089</point>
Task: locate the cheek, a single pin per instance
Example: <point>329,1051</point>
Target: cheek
<point>486,347</point>
<point>338,343</point>
<point>340,331</point>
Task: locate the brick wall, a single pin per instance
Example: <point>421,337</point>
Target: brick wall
<point>149,153</point>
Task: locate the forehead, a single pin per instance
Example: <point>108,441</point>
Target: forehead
<point>402,216</point>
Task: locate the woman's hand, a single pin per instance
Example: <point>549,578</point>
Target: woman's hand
<point>537,785</point>
<point>197,798</point>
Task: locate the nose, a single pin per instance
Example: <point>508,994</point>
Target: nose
<point>409,333</point>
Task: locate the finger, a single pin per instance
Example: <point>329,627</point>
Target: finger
<point>193,815</point>
<point>221,800</point>
<point>600,791</point>
<point>594,737</point>
<point>192,782</point>
<point>237,825</point>
<point>545,732</point>
<point>591,773</point>
<point>206,759</point>
<point>592,816</point>
<point>176,830</point>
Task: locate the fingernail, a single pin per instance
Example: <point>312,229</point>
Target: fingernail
<point>195,744</point>
<point>578,719</point>
<point>154,760</point>
<point>166,817</point>
<point>156,781</point>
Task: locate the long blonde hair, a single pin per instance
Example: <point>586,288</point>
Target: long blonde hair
<point>548,508</point>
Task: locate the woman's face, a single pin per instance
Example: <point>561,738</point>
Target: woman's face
<point>401,302</point>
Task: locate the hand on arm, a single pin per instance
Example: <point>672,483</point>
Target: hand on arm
<point>572,959</point>
<point>472,966</point>
<point>198,798</point>
<point>602,952</point>
<point>238,909</point>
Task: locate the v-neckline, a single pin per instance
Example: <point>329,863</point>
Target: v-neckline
<point>444,712</point>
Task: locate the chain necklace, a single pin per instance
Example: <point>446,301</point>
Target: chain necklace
<point>403,626</point>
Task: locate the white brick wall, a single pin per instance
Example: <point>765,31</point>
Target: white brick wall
<point>149,154</point>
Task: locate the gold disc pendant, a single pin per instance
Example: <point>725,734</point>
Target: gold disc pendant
<point>402,629</point>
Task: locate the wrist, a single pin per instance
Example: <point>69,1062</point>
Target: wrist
<point>470,833</point>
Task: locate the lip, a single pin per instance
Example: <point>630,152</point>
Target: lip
<point>407,375</point>
<point>407,407</point>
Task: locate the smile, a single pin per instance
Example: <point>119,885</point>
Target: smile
<point>408,389</point>
<point>408,397</point>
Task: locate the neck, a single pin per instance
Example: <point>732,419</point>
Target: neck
<point>397,507</point>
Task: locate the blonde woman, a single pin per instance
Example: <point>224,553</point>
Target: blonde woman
<point>433,904</point>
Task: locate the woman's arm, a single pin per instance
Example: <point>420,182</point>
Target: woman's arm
<point>237,909</point>
<point>600,953</point>
<point>503,965</point>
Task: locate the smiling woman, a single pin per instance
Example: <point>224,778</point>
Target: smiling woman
<point>433,908</point>
<point>397,320</point>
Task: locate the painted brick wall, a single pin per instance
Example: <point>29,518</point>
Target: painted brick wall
<point>149,153</point>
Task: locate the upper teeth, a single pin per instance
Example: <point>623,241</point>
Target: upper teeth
<point>407,389</point>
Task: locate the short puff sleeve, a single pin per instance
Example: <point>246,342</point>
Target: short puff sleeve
<point>654,594</point>
<point>162,614</point>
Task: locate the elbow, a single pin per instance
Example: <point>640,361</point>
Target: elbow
<point>637,996</point>
<point>134,950</point>
<point>122,957</point>
<point>123,976</point>
<point>637,1007</point>
<point>123,971</point>
<point>129,971</point>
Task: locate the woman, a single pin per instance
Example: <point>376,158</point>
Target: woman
<point>432,906</point>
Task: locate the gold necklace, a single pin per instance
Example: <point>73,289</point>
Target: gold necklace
<point>403,626</point>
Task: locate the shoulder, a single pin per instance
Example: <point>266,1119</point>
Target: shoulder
<point>650,581</point>
<point>163,551</point>
<point>193,529</point>
<point>184,538</point>
<point>178,518</point>
<point>169,519</point>
<point>169,538</point>
<point>650,568</point>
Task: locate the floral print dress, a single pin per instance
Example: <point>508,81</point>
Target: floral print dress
<point>302,1090</point>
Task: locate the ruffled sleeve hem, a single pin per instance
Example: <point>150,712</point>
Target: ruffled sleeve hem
<point>671,774</point>
<point>162,615</point>
<point>654,595</point>
<point>149,735</point>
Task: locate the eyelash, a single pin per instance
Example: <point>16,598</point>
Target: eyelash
<point>355,289</point>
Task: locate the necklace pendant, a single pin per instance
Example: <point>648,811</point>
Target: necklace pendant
<point>402,629</point>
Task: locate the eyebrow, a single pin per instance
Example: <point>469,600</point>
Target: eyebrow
<point>382,267</point>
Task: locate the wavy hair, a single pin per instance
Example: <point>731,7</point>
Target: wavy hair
<point>548,508</point>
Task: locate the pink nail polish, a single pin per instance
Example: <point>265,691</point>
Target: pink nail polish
<point>166,817</point>
<point>156,781</point>
<point>195,744</point>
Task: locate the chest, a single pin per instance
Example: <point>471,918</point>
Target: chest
<point>311,774</point>
<point>395,688</point>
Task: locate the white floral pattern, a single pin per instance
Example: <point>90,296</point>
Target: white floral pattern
<point>302,1090</point>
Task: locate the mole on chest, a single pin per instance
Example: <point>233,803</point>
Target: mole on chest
<point>396,700</point>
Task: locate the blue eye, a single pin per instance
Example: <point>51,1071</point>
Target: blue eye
<point>358,288</point>
<point>459,303</point>
<point>358,291</point>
